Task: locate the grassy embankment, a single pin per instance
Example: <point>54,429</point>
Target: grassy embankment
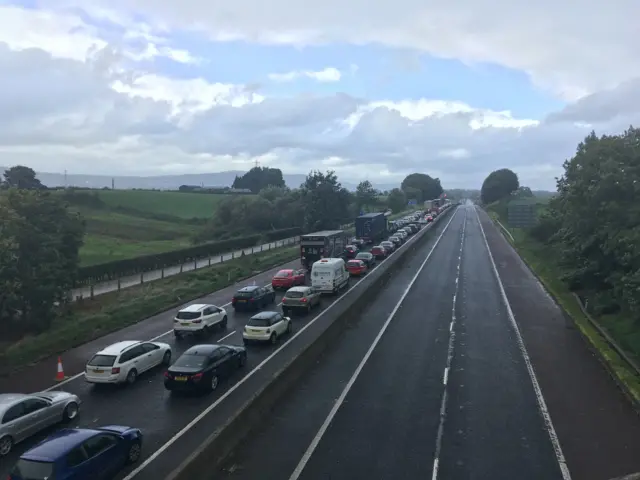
<point>546,266</point>
<point>107,313</point>
<point>142,222</point>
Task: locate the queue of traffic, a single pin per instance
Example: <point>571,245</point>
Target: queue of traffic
<point>89,453</point>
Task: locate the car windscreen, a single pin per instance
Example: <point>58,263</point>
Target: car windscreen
<point>294,294</point>
<point>102,360</point>
<point>190,361</point>
<point>188,315</point>
<point>30,470</point>
<point>259,322</point>
<point>283,274</point>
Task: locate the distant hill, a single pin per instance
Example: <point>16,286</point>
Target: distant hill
<point>168,182</point>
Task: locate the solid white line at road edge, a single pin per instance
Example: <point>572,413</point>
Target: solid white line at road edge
<point>240,382</point>
<point>316,440</point>
<point>542,405</point>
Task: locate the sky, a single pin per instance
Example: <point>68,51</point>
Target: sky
<point>373,91</point>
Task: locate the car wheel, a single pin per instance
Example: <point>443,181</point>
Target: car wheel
<point>273,339</point>
<point>134,453</point>
<point>70,412</point>
<point>166,358</point>
<point>289,327</point>
<point>132,376</point>
<point>6,444</point>
<point>214,383</point>
<point>223,324</point>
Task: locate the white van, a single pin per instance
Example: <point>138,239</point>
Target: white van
<point>329,275</point>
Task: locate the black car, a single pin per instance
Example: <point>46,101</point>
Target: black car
<point>367,258</point>
<point>350,251</point>
<point>201,367</point>
<point>253,298</point>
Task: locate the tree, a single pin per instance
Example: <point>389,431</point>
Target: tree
<point>259,178</point>
<point>429,188</point>
<point>43,239</point>
<point>498,185</point>
<point>325,201</point>
<point>397,200</point>
<point>366,195</point>
<point>21,177</point>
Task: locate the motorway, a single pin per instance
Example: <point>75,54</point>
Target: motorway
<point>434,381</point>
<point>146,404</point>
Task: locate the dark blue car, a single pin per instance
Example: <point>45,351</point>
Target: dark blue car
<point>80,454</point>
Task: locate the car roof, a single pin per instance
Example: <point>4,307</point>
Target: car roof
<point>203,349</point>
<point>196,307</point>
<point>118,347</point>
<point>264,315</point>
<point>248,288</point>
<point>300,288</point>
<point>59,444</point>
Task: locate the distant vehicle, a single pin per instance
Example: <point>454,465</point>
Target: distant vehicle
<point>22,416</point>
<point>253,298</point>
<point>389,246</point>
<point>357,268</point>
<point>358,242</point>
<point>396,240</point>
<point>300,299</point>
<point>122,362</point>
<point>350,251</point>
<point>266,327</point>
<point>319,245</point>
<point>288,278</point>
<point>199,318</point>
<point>329,275</point>
<point>201,367</point>
<point>429,218</point>
<point>368,258</point>
<point>371,227</point>
<point>379,252</point>
<point>80,454</point>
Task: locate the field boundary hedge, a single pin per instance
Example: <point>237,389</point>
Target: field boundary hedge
<point>131,266</point>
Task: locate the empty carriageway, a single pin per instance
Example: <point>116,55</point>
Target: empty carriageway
<point>429,382</point>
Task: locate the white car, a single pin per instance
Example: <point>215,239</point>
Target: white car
<point>199,318</point>
<point>122,362</point>
<point>266,327</point>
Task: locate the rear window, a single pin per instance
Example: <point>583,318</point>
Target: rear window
<point>190,361</point>
<point>283,274</point>
<point>353,263</point>
<point>244,294</point>
<point>294,294</point>
<point>363,255</point>
<point>188,315</point>
<point>258,322</point>
<point>29,470</point>
<point>102,360</point>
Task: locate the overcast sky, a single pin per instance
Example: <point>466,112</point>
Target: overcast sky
<point>372,90</point>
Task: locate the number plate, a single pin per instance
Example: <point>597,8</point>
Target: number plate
<point>242,301</point>
<point>98,371</point>
<point>256,331</point>
<point>185,324</point>
<point>181,379</point>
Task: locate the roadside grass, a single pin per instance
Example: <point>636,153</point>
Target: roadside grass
<point>102,249</point>
<point>542,262</point>
<point>91,319</point>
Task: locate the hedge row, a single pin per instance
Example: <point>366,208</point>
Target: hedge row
<point>131,266</point>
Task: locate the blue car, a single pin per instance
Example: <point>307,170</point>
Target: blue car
<point>80,454</point>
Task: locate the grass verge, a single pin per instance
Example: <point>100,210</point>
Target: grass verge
<point>107,313</point>
<point>537,257</point>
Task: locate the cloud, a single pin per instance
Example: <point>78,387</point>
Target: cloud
<point>329,74</point>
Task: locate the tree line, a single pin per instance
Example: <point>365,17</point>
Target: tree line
<point>592,224</point>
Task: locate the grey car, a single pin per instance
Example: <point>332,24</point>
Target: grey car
<point>22,416</point>
<point>301,299</point>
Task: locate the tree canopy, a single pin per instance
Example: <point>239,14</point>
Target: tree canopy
<point>259,178</point>
<point>421,187</point>
<point>21,177</point>
<point>498,185</point>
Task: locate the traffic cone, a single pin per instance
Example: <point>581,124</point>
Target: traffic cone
<point>60,373</point>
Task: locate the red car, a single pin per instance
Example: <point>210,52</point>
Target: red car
<point>429,218</point>
<point>379,252</point>
<point>357,267</point>
<point>288,278</point>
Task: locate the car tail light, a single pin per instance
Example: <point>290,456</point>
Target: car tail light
<point>167,375</point>
<point>268,330</point>
<point>197,377</point>
<point>197,321</point>
<point>115,370</point>
<point>233,300</point>
<point>284,299</point>
<point>303,300</point>
<point>251,299</point>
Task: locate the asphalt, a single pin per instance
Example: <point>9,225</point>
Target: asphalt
<point>146,405</point>
<point>389,424</point>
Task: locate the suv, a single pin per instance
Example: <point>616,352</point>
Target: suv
<point>300,298</point>
<point>199,318</point>
<point>253,298</point>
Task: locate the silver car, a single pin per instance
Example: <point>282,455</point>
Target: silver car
<point>300,298</point>
<point>22,416</point>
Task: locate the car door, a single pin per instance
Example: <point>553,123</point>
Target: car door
<point>224,361</point>
<point>137,359</point>
<point>16,422</point>
<point>104,457</point>
<point>43,411</point>
<point>215,366</point>
<point>208,316</point>
<point>279,324</point>
<point>152,354</point>
<point>216,315</point>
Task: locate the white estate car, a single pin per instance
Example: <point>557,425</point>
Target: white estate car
<point>199,318</point>
<point>266,327</point>
<point>124,361</point>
